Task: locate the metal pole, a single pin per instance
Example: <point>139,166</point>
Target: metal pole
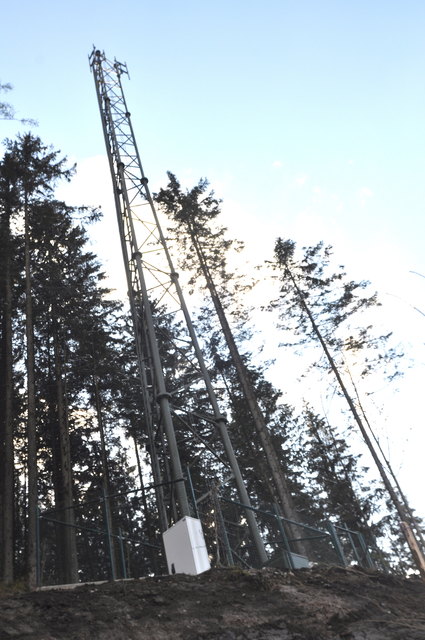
<point>366,552</point>
<point>336,543</point>
<point>220,420</point>
<point>353,545</point>
<point>283,536</point>
<point>163,398</point>
<point>123,565</point>
<point>37,548</point>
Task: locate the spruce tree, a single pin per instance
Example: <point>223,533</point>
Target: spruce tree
<point>59,298</point>
<point>203,250</point>
<point>318,304</point>
<point>36,170</point>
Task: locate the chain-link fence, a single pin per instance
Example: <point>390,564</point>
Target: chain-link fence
<point>119,536</point>
<point>105,538</point>
<point>289,544</point>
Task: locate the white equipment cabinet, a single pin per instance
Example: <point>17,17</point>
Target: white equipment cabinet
<point>185,547</point>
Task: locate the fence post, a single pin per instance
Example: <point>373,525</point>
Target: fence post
<point>121,542</point>
<point>336,543</point>
<point>353,545</point>
<point>37,548</point>
<point>284,537</point>
<point>108,534</point>
<point>219,513</point>
<point>369,561</point>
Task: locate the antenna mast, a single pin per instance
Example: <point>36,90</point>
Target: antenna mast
<point>150,272</point>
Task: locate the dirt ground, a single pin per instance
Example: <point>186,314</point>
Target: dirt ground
<point>227,604</point>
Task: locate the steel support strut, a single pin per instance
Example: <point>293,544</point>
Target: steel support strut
<point>149,268</point>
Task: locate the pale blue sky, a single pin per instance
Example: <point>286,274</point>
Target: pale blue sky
<point>330,89</point>
<point>306,115</point>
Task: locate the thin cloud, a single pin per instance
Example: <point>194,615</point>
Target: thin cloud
<point>301,180</point>
<point>365,194</point>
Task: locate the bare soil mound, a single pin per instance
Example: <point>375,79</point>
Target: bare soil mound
<point>326,603</point>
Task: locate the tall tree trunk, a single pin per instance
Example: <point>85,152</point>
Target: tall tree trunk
<point>282,494</point>
<point>66,494</point>
<point>412,520</point>
<point>53,439</point>
<point>106,483</point>
<point>6,416</point>
<point>31,415</point>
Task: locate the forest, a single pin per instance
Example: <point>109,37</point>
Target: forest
<point>79,483</point>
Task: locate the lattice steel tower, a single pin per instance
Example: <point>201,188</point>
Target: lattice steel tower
<point>151,276</point>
